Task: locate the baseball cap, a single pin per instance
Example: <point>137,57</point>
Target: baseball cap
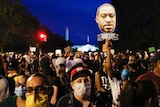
<point>79,71</point>
<point>125,74</point>
<point>60,60</point>
<point>13,64</point>
<point>78,60</point>
<point>156,56</point>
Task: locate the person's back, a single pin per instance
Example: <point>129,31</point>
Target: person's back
<point>154,76</point>
<point>138,94</point>
<point>60,81</point>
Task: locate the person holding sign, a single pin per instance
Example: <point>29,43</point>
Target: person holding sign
<point>107,85</point>
<point>106,18</point>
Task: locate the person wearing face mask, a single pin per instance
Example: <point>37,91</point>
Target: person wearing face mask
<point>80,82</point>
<point>134,68</point>
<point>38,90</point>
<point>18,100</point>
<point>20,86</point>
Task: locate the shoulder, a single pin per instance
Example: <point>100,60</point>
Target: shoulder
<point>63,101</point>
<point>9,102</point>
<point>145,76</point>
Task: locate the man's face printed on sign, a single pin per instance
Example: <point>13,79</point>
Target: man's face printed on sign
<point>106,18</point>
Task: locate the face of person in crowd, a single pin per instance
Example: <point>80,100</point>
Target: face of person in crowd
<point>37,92</point>
<point>82,86</point>
<point>132,62</point>
<point>20,87</point>
<point>106,18</point>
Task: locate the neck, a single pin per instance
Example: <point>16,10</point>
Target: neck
<point>20,102</point>
<point>157,72</point>
<point>82,99</point>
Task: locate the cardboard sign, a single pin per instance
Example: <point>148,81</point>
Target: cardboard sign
<point>58,52</point>
<point>32,49</point>
<point>151,49</point>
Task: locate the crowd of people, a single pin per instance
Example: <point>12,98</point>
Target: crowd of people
<point>77,79</point>
<point>82,79</point>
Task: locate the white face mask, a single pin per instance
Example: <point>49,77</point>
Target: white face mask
<point>20,91</point>
<point>82,89</point>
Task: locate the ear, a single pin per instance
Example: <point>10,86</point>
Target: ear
<point>149,101</point>
<point>71,83</point>
<point>96,19</point>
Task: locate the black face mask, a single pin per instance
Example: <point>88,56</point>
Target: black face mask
<point>134,65</point>
<point>23,65</point>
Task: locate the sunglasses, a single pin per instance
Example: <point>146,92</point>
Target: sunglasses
<point>19,84</point>
<point>38,89</point>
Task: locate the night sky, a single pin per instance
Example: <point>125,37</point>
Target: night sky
<point>77,15</point>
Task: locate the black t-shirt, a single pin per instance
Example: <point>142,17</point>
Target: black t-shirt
<point>69,101</point>
<point>104,99</point>
<point>61,88</point>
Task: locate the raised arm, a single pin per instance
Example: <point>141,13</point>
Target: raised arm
<point>108,64</point>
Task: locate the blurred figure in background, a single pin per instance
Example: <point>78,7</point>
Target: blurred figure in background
<point>154,76</point>
<point>59,83</point>
<point>133,66</point>
<point>18,100</point>
<point>138,94</point>
<point>124,77</point>
<point>4,88</point>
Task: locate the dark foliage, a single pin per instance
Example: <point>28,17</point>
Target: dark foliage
<point>137,24</point>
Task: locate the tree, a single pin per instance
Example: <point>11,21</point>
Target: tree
<point>16,23</point>
<point>138,24</point>
<point>19,29</point>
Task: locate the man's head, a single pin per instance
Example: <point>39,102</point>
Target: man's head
<point>20,84</point>
<point>132,61</point>
<point>13,65</point>
<point>156,59</point>
<point>80,77</point>
<point>37,88</point>
<point>106,18</point>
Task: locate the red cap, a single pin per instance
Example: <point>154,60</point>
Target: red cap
<point>77,72</point>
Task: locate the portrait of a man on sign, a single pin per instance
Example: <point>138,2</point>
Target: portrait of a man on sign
<point>106,18</point>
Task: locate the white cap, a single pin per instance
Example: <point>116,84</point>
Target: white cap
<point>60,60</point>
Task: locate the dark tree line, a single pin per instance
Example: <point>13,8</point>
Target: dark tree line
<point>18,28</point>
<point>138,23</point>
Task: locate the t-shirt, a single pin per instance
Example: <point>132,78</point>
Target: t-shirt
<point>9,102</point>
<point>104,98</point>
<point>150,76</point>
<point>69,101</point>
<point>156,79</point>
